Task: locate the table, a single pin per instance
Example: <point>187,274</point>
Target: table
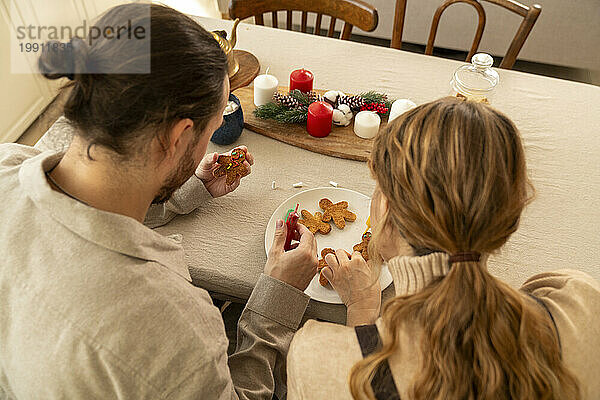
<point>559,122</point>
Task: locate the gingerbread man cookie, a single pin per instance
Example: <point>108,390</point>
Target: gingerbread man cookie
<point>324,252</point>
<point>232,166</point>
<point>363,246</point>
<point>314,223</point>
<point>322,264</point>
<point>323,281</point>
<point>338,212</point>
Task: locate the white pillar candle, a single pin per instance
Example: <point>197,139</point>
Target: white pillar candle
<point>265,87</point>
<point>399,107</point>
<point>366,124</point>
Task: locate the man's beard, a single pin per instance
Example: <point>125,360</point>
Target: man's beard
<point>178,177</point>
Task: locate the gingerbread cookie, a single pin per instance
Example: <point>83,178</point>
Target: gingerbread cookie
<point>314,223</point>
<point>363,246</point>
<point>324,252</point>
<point>323,281</point>
<point>232,166</point>
<point>322,264</point>
<point>338,212</point>
<point>463,97</point>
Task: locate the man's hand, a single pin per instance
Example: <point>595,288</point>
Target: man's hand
<point>217,186</point>
<point>357,283</point>
<point>295,267</point>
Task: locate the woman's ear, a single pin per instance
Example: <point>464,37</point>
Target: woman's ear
<point>379,205</point>
<point>383,204</point>
<point>392,243</point>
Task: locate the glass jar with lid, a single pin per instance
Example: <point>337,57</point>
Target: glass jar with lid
<point>476,81</point>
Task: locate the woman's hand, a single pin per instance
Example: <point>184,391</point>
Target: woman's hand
<point>217,186</point>
<point>357,283</point>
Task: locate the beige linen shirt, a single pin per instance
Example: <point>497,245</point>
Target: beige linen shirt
<point>96,305</point>
<point>322,354</point>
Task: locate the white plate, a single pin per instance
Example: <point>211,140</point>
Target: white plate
<point>358,203</point>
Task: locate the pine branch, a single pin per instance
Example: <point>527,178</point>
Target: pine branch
<point>282,113</point>
<point>293,116</point>
<point>269,110</point>
<point>303,98</point>
<point>374,97</point>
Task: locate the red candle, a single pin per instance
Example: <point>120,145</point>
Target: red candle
<point>320,115</point>
<point>302,80</point>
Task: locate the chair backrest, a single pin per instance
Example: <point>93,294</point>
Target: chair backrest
<point>352,12</point>
<point>529,14</point>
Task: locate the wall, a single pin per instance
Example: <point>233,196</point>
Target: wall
<point>566,33</point>
<point>25,95</point>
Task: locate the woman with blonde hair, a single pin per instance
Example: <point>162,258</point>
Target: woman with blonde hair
<point>451,186</point>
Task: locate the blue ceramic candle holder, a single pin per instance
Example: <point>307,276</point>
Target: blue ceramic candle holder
<point>233,124</point>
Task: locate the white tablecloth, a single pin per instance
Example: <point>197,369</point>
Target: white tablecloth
<point>559,122</point>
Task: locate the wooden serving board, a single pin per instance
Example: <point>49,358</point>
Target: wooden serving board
<point>249,69</point>
<point>341,142</point>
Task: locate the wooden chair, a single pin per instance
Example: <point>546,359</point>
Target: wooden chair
<point>529,14</point>
<point>352,12</point>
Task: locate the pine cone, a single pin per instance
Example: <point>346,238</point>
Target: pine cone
<point>313,96</point>
<point>354,102</point>
<point>286,100</point>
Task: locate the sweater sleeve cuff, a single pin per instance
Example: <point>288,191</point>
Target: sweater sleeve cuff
<point>278,301</point>
<point>189,196</point>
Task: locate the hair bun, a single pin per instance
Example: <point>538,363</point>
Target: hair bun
<point>64,59</point>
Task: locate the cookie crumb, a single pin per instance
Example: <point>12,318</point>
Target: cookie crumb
<point>334,184</point>
<point>297,185</point>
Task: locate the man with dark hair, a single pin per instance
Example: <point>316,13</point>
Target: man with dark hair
<point>93,303</point>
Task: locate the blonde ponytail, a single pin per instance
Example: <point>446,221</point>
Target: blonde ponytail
<point>454,175</point>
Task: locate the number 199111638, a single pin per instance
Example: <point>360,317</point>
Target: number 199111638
<point>34,47</point>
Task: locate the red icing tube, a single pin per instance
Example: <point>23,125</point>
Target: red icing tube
<point>290,222</point>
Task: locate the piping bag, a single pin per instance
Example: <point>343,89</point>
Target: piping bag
<point>290,221</point>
